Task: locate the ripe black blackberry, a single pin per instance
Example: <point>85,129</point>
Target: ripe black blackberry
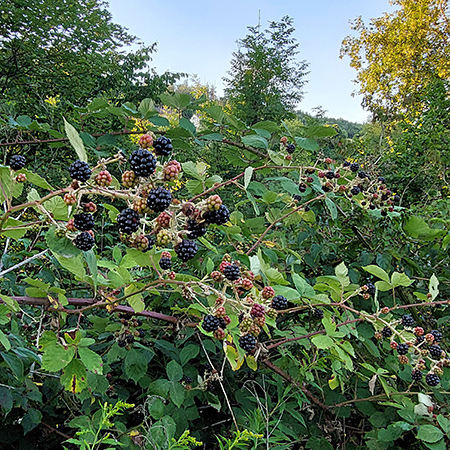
<point>121,343</point>
<point>128,221</point>
<point>17,162</point>
<point>355,190</point>
<point>79,170</point>
<point>346,164</point>
<point>84,241</point>
<point>354,167</point>
<point>247,342</point>
<point>297,197</point>
<point>302,187</point>
<point>210,323</point>
<point>396,198</point>
<point>142,162</point>
<point>318,313</point>
<point>362,174</point>
<point>151,242</point>
<point>159,199</point>
<point>435,351</point>
<point>232,272</point>
<point>407,320</point>
<point>163,146</point>
<point>279,302</point>
<point>195,229</point>
<point>437,335</point>
<point>290,148</point>
<point>402,349</point>
<point>370,288</point>
<point>129,338</point>
<point>165,263</point>
<point>83,222</point>
<point>330,175</point>
<point>222,323</point>
<point>186,249</point>
<point>219,217</point>
<point>416,375</point>
<point>432,380</point>
<point>386,332</point>
<point>381,179</point>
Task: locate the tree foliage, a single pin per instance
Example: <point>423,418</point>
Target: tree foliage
<point>399,54</point>
<point>265,81</point>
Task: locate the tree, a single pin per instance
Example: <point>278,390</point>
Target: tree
<point>398,54</point>
<point>72,49</point>
<point>265,80</point>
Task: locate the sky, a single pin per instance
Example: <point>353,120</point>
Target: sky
<point>199,37</point>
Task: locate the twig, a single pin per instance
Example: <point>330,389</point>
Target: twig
<point>22,263</point>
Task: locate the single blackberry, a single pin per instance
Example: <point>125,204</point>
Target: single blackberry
<point>354,167</point>
<point>437,335</point>
<point>222,323</point>
<point>257,310</point>
<point>121,343</point>
<point>370,288</point>
<point>432,380</point>
<point>416,375</point>
<point>84,241</point>
<point>17,162</point>
<point>419,339</point>
<point>129,338</point>
<point>302,187</point>
<point>219,217</point>
<point>79,170</point>
<point>159,199</point>
<point>128,221</point>
<point>232,272</point>
<point>141,333</point>
<point>402,349</point>
<point>297,197</point>
<point>435,351</point>
<point>318,313</point>
<point>163,146</point>
<point>151,242</point>
<point>290,148</point>
<point>330,175</point>
<point>186,249</point>
<point>195,229</point>
<point>165,263</point>
<point>407,320</point>
<point>247,342</point>
<point>83,222</point>
<point>346,164</point>
<point>142,162</point>
<point>355,190</point>
<point>396,198</point>
<point>381,179</point>
<point>386,332</point>
<point>362,174</point>
<point>187,379</point>
<point>210,323</point>
<point>279,302</point>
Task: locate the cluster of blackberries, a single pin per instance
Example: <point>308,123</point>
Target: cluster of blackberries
<point>127,335</point>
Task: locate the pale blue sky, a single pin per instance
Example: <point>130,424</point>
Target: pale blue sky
<point>199,36</point>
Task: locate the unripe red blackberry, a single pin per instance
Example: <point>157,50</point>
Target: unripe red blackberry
<point>377,335</point>
<point>219,334</point>
<point>21,178</point>
<point>128,178</point>
<point>195,229</point>
<point>403,359</point>
<point>257,310</point>
<point>186,249</point>
<point>213,202</point>
<point>145,141</point>
<point>17,162</point>
<point>220,311</point>
<point>393,345</point>
<point>219,217</point>
<point>172,170</point>
<point>216,276</point>
<point>419,331</point>
<point>231,272</point>
<point>224,264</point>
<point>159,199</point>
<point>247,342</point>
<point>103,178</point>
<point>226,320</point>
<point>79,170</point>
<point>279,302</point>
<point>165,263</point>
<point>432,380</point>
<point>385,310</point>
<point>210,323</point>
<point>429,338</point>
<point>83,221</point>
<point>254,330</point>
<point>142,162</point>
<point>84,241</point>
<point>163,220</point>
<point>267,293</point>
<point>283,140</point>
<point>172,275</point>
<point>128,221</point>
<point>70,199</point>
<point>90,207</point>
<point>70,226</point>
<point>162,146</point>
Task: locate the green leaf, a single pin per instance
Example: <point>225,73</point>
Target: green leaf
<point>331,207</point>
<point>429,433</point>
<point>75,141</point>
<point>91,360</point>
<point>255,141</point>
<point>303,287</point>
<point>177,393</point>
<point>4,341</point>
<point>135,365</point>
<point>74,377</point>
<point>341,272</point>
<point>417,228</point>
<point>74,265</point>
<point>322,341</point>
<point>307,143</point>
<point>31,420</point>
<point>188,352</point>
<point>212,137</point>
<point>135,301</point>
<point>247,176</point>
<point>444,423</point>
<point>378,272</point>
<point>268,125</point>
<point>57,357</point>
<point>147,107</point>
<point>320,131</point>
<point>174,371</point>
<point>433,287</point>
<point>400,279</point>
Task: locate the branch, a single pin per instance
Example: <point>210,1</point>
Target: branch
<point>25,261</point>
